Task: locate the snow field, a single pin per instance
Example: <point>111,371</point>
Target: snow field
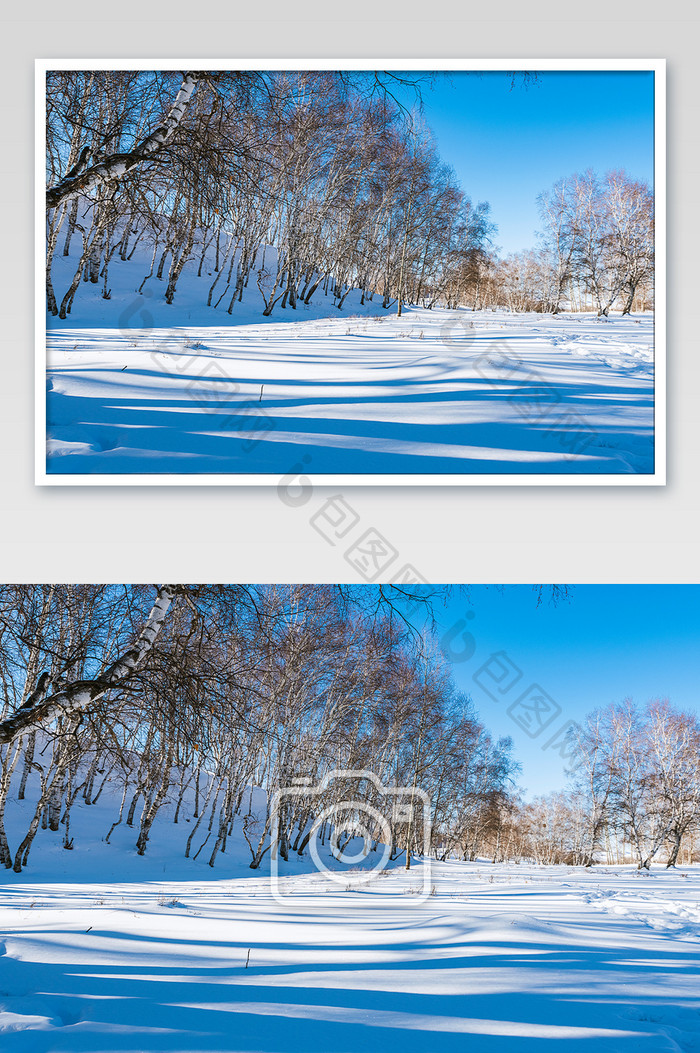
<point>102,949</point>
<point>502,957</point>
<point>434,392</point>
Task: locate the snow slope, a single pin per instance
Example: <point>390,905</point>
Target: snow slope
<point>136,386</point>
<point>498,958</point>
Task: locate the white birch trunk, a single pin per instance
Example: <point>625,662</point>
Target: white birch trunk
<point>81,694</point>
<point>116,166</point>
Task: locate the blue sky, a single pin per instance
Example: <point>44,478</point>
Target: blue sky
<point>606,643</point>
<point>507,145</point>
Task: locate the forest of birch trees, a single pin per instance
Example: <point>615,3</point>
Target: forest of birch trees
<point>194,705</point>
<point>310,184</point>
<point>633,797</point>
<point>595,251</point>
<point>181,699</point>
<point>303,183</point>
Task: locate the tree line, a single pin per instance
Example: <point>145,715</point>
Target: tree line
<point>195,704</point>
<point>634,794</point>
<point>595,252</point>
<point>306,183</point>
<point>198,703</point>
<point>311,183</point>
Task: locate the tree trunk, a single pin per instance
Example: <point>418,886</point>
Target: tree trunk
<point>78,182</point>
<point>80,695</point>
<point>72,220</point>
<point>28,761</point>
<point>673,857</point>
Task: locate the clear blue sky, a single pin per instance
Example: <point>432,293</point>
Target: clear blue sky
<point>606,643</point>
<point>507,144</point>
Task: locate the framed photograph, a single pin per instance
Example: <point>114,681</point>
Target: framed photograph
<point>261,271</point>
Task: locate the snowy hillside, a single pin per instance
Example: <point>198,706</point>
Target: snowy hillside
<point>136,385</point>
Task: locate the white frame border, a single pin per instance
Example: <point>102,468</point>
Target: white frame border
<point>657,478</point>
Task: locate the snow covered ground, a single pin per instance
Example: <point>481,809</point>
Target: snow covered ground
<point>102,949</point>
<point>135,386</point>
<point>498,958</point>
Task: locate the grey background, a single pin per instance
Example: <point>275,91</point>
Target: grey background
<point>562,533</point>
